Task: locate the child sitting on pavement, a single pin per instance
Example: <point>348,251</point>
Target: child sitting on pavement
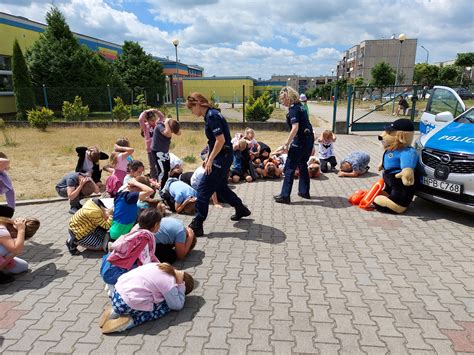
<point>125,205</point>
<point>88,227</point>
<point>326,151</point>
<point>146,293</point>
<point>75,186</point>
<point>132,249</point>
<point>13,234</point>
<point>88,162</point>
<point>179,196</point>
<point>355,164</point>
<point>173,240</point>
<point>242,165</point>
<point>6,188</point>
<point>314,167</point>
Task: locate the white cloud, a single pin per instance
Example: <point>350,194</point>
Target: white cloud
<point>259,38</point>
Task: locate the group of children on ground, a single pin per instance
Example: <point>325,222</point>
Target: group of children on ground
<point>254,159</point>
<point>128,221</point>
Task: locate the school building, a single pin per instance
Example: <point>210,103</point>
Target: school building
<point>231,89</point>
<point>27,32</point>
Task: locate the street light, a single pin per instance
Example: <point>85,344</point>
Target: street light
<point>401,38</point>
<point>176,43</point>
<point>427,54</point>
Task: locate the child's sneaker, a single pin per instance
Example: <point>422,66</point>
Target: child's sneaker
<point>117,325</point>
<point>107,315</point>
<point>72,247</point>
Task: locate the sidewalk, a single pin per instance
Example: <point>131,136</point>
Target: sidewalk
<point>317,276</point>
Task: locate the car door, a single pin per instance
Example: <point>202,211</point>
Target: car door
<point>442,99</point>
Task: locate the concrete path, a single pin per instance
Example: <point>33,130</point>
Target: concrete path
<point>318,276</point>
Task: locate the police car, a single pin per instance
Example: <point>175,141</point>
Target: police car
<point>446,164</point>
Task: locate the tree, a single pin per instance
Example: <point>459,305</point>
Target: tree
<point>465,59</point>
<point>259,109</point>
<point>382,75</point>
<point>24,95</point>
<point>140,72</point>
<point>426,74</point>
<point>449,75</point>
<point>57,60</point>
<point>359,81</point>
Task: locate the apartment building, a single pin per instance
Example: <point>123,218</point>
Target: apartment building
<point>359,60</point>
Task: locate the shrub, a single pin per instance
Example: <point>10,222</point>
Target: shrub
<point>120,112</point>
<point>259,109</point>
<point>189,159</point>
<point>24,95</point>
<point>40,118</point>
<point>75,111</point>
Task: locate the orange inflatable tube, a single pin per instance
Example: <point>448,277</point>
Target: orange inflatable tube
<point>369,197</point>
<point>357,196</point>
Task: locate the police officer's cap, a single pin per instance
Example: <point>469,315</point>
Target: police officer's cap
<point>402,124</point>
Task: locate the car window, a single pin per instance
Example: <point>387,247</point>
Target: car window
<point>444,100</point>
<point>467,117</point>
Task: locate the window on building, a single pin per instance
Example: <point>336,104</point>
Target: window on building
<point>5,62</point>
<point>6,83</point>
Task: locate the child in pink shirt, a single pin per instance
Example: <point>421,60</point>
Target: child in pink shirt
<point>146,293</point>
<point>147,121</point>
<point>119,162</point>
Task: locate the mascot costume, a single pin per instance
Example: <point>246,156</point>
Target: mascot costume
<point>398,165</point>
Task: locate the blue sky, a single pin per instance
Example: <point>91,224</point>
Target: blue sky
<point>260,38</point>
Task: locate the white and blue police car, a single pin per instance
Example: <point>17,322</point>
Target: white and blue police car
<point>446,164</point>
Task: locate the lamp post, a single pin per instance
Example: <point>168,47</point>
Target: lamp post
<point>176,43</point>
<point>332,83</point>
<point>401,38</point>
<point>427,54</point>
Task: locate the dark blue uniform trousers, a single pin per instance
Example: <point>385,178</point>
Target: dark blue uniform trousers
<point>298,156</point>
<point>216,182</point>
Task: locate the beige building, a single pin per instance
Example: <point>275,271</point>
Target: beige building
<point>359,60</point>
<point>303,83</point>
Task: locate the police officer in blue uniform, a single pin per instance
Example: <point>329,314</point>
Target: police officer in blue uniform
<point>299,145</point>
<point>217,163</point>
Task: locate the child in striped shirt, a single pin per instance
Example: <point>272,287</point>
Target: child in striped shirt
<point>88,227</point>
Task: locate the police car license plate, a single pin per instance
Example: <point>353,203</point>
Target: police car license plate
<point>442,185</point>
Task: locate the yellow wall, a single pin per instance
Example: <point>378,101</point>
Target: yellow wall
<point>7,104</point>
<point>224,90</point>
<point>26,38</point>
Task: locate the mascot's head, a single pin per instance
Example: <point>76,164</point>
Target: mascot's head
<point>398,134</point>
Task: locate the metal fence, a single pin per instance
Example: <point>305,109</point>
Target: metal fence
<point>101,101</point>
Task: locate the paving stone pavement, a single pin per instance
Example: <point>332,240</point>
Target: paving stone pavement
<point>318,276</point>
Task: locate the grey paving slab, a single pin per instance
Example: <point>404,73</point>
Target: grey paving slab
<point>318,276</point>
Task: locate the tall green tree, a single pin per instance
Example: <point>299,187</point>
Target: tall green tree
<point>57,59</point>
<point>24,95</point>
<point>449,75</point>
<point>382,75</point>
<point>140,72</point>
<point>426,74</point>
<point>465,59</point>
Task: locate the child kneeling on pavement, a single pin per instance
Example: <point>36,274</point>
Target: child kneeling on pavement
<point>146,293</point>
<point>88,227</point>
<point>173,240</point>
<point>132,249</point>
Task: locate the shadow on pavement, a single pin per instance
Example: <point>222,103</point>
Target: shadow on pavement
<point>429,211</point>
<point>193,259</point>
<point>35,280</point>
<point>324,201</point>
<point>252,231</point>
<point>192,306</point>
<point>37,252</point>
